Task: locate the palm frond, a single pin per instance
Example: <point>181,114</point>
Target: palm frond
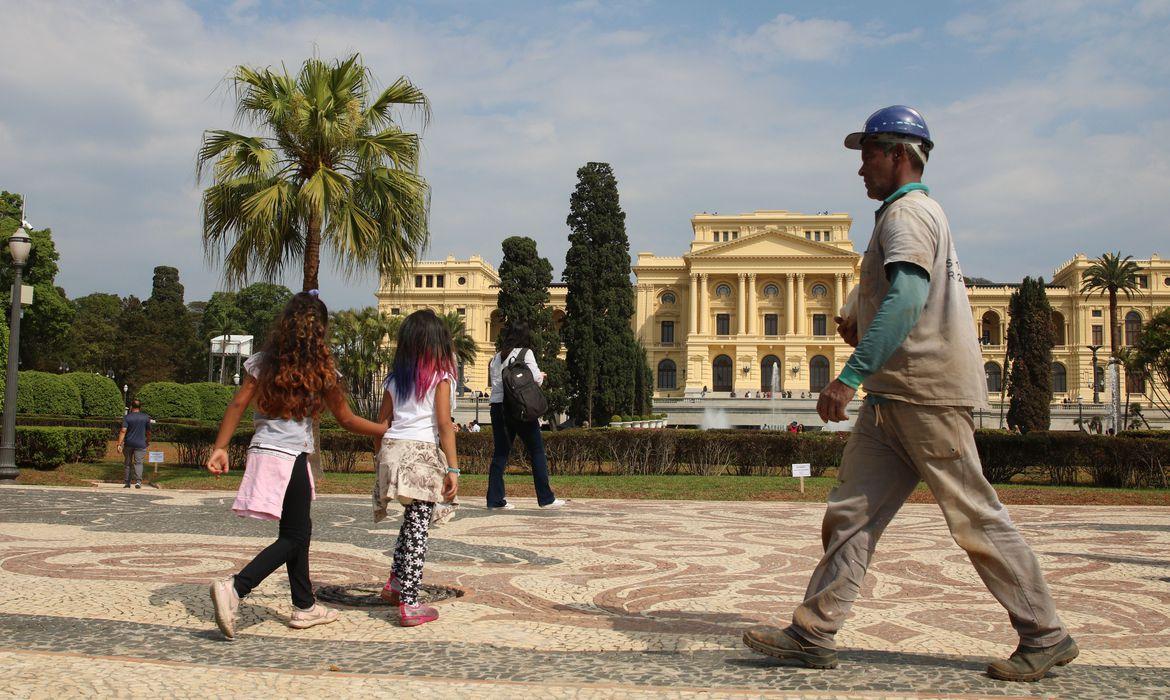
<point>402,92</point>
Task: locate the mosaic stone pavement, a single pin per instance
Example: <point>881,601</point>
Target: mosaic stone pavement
<point>104,593</point>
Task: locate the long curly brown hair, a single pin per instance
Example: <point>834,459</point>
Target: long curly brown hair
<point>297,369</point>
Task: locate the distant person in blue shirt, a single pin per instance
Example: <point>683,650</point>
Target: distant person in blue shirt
<point>133,441</point>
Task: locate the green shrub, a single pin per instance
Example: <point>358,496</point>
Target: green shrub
<point>168,400</point>
<point>213,399</point>
<point>49,448</point>
<point>100,397</point>
<point>41,393</point>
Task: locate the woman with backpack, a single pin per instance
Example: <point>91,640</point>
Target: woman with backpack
<point>516,351</point>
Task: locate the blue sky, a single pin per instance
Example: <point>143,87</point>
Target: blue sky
<point>1052,119</point>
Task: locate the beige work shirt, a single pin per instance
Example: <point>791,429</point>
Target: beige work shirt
<point>939,363</point>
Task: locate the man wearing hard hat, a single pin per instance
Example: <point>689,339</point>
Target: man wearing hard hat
<point>919,361</point>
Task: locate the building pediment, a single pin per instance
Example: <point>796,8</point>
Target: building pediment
<point>776,244</point>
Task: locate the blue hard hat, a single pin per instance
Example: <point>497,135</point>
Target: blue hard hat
<point>899,120</point>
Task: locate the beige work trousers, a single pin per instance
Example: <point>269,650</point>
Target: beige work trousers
<point>893,446</point>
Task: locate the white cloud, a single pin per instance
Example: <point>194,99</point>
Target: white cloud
<point>816,39</point>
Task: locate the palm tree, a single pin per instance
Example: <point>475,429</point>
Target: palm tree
<point>465,349</point>
<point>1111,274</point>
<point>332,168</point>
<point>362,346</point>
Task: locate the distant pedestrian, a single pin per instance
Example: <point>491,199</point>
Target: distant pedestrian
<point>277,483</point>
<point>133,441</point>
<point>417,464</point>
<point>474,427</point>
<point>516,345</point>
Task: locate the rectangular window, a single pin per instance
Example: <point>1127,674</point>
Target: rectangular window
<point>1096,313</point>
<point>418,280</point>
<point>461,312</point>
<point>828,235</point>
<point>771,324</point>
<point>667,332</point>
<point>395,311</point>
<point>723,324</point>
<point>440,280</point>
<point>430,280</point>
<point>735,235</point>
<point>808,235</point>
<point>820,324</point>
<point>1098,335</point>
<point>1143,281</point>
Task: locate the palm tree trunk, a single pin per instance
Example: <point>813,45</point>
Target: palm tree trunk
<point>1113,321</point>
<point>312,253</point>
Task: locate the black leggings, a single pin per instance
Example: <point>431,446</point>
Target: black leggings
<point>410,551</point>
<point>291,547</point>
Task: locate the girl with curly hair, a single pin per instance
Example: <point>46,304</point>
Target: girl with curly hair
<point>417,465</point>
<point>292,380</point>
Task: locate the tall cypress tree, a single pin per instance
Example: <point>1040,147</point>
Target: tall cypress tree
<point>524,281</point>
<point>600,303</point>
<point>1030,341</point>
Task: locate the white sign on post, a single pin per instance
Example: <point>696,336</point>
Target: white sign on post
<point>802,470</point>
<point>155,457</point>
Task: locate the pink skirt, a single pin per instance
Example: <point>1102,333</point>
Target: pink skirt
<point>266,476</point>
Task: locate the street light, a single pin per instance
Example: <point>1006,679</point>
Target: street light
<point>1096,389</point>
<point>19,245</point>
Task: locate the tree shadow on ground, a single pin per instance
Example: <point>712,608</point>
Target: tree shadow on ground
<point>197,603</point>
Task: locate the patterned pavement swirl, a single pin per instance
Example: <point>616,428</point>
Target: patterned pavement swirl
<point>604,599</point>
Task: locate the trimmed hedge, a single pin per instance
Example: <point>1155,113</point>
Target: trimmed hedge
<point>213,399</point>
<point>42,393</point>
<point>100,397</point>
<point>49,448</point>
<point>167,400</point>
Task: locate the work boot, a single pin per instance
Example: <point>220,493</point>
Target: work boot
<point>786,644</point>
<point>1029,664</point>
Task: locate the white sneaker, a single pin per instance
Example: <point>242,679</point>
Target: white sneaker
<point>506,506</point>
<point>225,602</point>
<point>316,615</point>
<point>558,503</point>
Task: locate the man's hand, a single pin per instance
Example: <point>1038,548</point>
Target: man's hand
<point>217,463</point>
<point>119,448</point>
<point>847,329</point>
<point>833,401</point>
<point>450,486</point>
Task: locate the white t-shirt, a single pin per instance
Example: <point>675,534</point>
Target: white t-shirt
<point>414,419</point>
<point>282,433</point>
<point>496,372</point>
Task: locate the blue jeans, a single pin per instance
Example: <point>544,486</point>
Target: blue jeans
<point>504,433</point>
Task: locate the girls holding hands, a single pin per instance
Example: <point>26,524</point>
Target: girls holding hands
<point>416,464</point>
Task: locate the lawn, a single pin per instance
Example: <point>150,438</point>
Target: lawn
<point>706,488</point>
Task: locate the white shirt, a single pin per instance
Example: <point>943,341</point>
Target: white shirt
<point>288,434</point>
<point>496,372</point>
<point>414,419</point>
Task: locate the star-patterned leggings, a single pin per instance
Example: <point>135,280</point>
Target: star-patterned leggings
<point>411,549</point>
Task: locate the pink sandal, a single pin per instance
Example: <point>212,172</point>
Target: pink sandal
<point>415,615</point>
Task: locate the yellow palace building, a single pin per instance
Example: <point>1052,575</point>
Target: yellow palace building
<point>754,296</point>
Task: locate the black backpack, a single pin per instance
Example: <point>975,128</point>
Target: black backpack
<point>523,399</point>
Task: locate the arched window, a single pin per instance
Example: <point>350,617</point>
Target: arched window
<point>819,291</point>
<point>1133,327</point>
<point>723,290</point>
<point>1135,383</point>
<point>1058,328</point>
<point>818,372</point>
<point>771,378</point>
<point>667,375</point>
<point>989,329</point>
<point>669,298</point>
<point>994,377</point>
<point>771,291</point>
<point>721,373</point>
<point>1059,378</point>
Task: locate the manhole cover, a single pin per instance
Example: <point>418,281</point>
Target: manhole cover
<point>367,595</point>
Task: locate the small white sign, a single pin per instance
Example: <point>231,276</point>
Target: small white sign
<point>26,295</point>
<point>801,470</point>
<point>155,457</point>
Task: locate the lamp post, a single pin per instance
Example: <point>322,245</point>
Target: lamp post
<point>1096,389</point>
<point>19,244</point>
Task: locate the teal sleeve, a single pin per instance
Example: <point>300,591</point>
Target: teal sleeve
<point>895,318</point>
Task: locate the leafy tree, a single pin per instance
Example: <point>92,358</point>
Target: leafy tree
<point>220,316</point>
<point>362,350</point>
<point>45,325</point>
<point>1152,359</point>
<point>332,169</point>
<point>600,340</point>
<point>465,349</point>
<point>1029,349</point>
<point>139,349</point>
<point>259,305</point>
<point>524,281</point>
<point>643,382</point>
<point>93,337</point>
<point>1110,274</point>
<point>169,322</point>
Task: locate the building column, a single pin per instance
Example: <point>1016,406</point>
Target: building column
<point>741,309</point>
<point>693,326</point>
<point>789,305</point>
<point>840,295</point>
<point>800,308</point>
<point>752,321</point>
<point>704,304</point>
